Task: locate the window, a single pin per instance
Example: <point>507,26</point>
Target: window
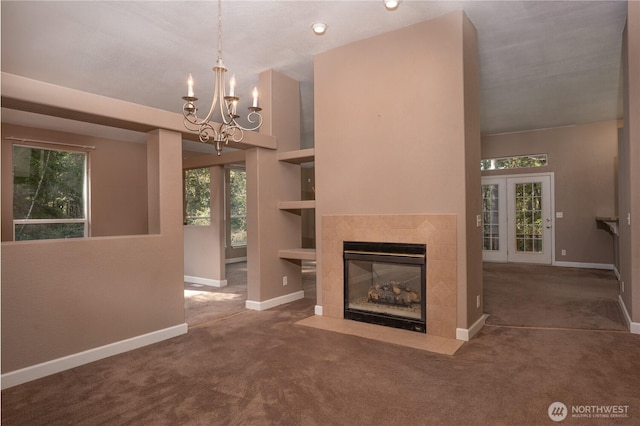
<point>49,193</point>
<point>238,206</point>
<point>197,197</point>
<point>490,217</point>
<point>523,161</point>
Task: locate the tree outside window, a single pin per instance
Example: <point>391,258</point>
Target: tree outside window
<point>197,197</point>
<point>49,193</point>
<point>518,162</point>
<point>238,206</point>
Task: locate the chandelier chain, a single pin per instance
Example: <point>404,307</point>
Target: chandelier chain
<point>219,29</point>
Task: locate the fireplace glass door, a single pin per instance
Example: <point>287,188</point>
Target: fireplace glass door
<point>386,284</point>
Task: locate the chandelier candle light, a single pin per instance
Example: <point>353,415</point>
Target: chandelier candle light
<point>219,134</point>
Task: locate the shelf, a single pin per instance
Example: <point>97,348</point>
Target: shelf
<point>297,254</point>
<point>297,157</point>
<point>297,206</point>
<point>610,222</point>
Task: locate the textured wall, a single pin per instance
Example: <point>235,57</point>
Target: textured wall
<point>396,123</point>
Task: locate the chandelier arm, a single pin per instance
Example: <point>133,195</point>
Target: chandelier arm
<point>192,123</point>
<point>214,101</point>
<point>227,113</point>
<point>252,117</point>
<point>235,133</point>
<point>206,131</point>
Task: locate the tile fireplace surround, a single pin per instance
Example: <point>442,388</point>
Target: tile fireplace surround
<point>438,232</point>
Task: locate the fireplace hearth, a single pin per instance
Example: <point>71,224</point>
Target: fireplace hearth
<point>385,284</point>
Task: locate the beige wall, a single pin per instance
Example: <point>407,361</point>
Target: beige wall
<point>629,167</point>
<point>61,297</point>
<point>472,145</point>
<point>118,181</point>
<point>396,123</point>
<point>268,182</point>
<point>583,160</point>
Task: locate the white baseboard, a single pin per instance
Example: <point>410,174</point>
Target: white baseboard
<point>27,374</point>
<point>607,266</point>
<point>634,327</point>
<point>318,310</point>
<point>615,270</point>
<point>205,281</point>
<point>467,334</point>
<point>272,303</point>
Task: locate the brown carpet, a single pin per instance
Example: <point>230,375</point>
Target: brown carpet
<point>205,303</point>
<point>549,296</point>
<point>259,368</point>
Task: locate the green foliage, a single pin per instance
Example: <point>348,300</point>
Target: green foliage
<point>48,231</point>
<point>238,206</point>
<point>529,226</point>
<point>48,184</point>
<point>523,161</point>
<point>197,196</point>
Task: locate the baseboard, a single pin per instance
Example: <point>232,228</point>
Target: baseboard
<point>615,271</point>
<point>27,374</point>
<point>235,260</point>
<point>205,281</point>
<point>318,310</point>
<point>634,327</point>
<point>467,334</point>
<point>607,266</point>
<point>272,303</point>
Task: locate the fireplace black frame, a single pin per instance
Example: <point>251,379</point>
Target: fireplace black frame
<point>392,253</point>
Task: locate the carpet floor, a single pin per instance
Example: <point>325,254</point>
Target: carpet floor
<point>553,297</point>
<point>205,303</point>
<point>260,368</point>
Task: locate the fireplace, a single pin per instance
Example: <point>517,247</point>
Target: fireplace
<point>385,284</point>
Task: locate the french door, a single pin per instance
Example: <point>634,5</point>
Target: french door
<point>517,219</point>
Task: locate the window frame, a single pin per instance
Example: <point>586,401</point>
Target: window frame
<point>86,192</point>
<point>541,157</point>
<point>227,208</point>
<point>186,218</point>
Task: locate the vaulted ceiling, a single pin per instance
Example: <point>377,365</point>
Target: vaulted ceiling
<point>542,63</point>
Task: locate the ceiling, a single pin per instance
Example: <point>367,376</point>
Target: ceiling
<point>542,63</point>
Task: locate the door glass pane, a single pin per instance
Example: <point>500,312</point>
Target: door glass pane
<point>490,218</point>
<point>528,215</point>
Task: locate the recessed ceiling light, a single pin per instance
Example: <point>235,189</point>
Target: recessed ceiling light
<point>319,28</point>
<point>391,4</point>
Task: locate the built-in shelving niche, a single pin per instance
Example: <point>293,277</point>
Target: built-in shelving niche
<point>296,206</point>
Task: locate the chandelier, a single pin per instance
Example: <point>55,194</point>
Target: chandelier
<point>219,134</point>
